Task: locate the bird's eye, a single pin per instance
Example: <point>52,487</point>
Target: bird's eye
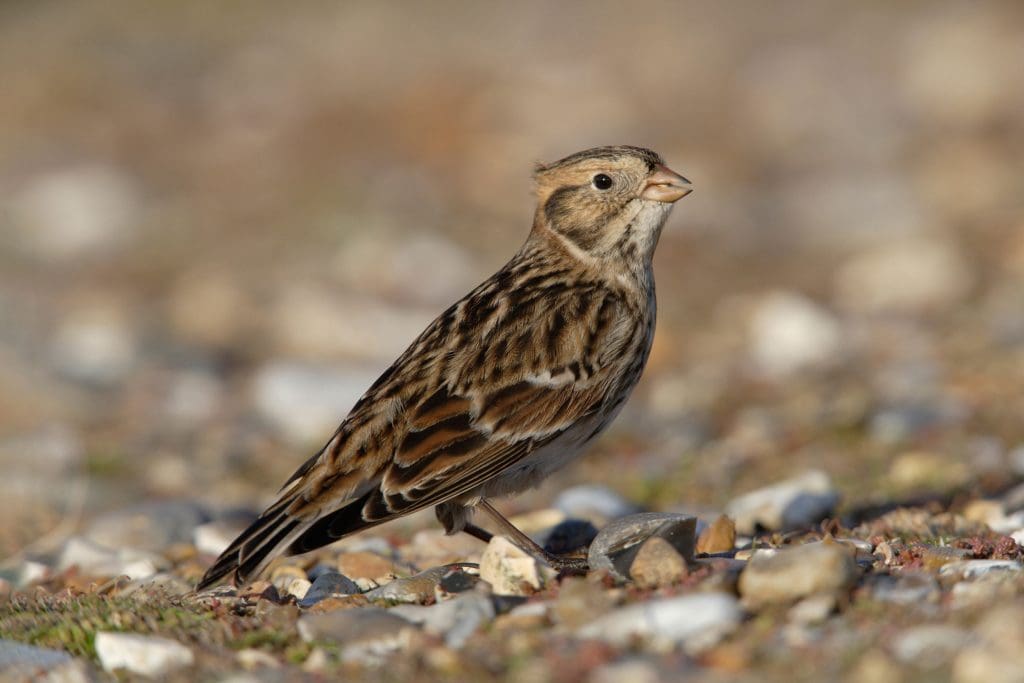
<point>602,181</point>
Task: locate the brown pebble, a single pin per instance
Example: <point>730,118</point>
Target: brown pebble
<point>657,564</point>
<point>366,565</point>
<point>720,537</point>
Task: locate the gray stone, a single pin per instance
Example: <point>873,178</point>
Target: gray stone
<point>148,526</point>
<point>98,560</point>
<point>328,584</point>
<point>789,333</point>
<point>22,662</point>
<point>145,655</point>
<point>907,588</point>
<point>695,622</point>
<point>794,573</point>
<point>617,544</point>
<point>351,625</point>
<point>418,588</point>
<point>454,620</point>
<point>973,569</point>
<point>569,535</point>
<point>795,503</point>
<point>595,503</point>
<point>930,645</point>
<point>95,344</point>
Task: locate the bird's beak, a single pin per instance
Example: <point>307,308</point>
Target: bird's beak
<point>665,185</point>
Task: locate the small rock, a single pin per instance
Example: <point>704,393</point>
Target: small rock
<point>812,610</point>
<point>251,658</point>
<point>148,526</point>
<point>617,543</point>
<point>595,503</point>
<point>789,333</point>
<point>907,588</point>
<point>796,503</point>
<point>145,655</point>
<point>696,622</point>
<point>97,560</point>
<point>418,588</point>
<point>657,564</point>
<point>456,581</point>
<point>719,537</point>
<point>509,570</point>
<point>297,588</point>
<point>973,569</point>
<point>326,585</point>
<point>794,573</point>
<point>434,547</point>
<point>21,662</point>
<point>213,538</point>
<point>935,557</point>
<point>580,601</point>
<point>626,671</point>
<point>366,565</point>
<point>931,645</point>
<point>454,620</point>
<point>569,535</point>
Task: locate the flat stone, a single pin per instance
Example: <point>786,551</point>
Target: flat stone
<point>145,655</point>
<point>418,588</point>
<point>326,585</point>
<point>973,569</point>
<point>509,570</point>
<point>794,573</point>
<point>718,537</point>
<point>366,565</point>
<point>657,564</point>
<point>695,622</point>
<point>617,544</point>
<point>453,620</point>
<point>21,662</point>
<point>796,503</point>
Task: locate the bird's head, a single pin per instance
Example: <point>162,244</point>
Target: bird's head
<point>608,200</point>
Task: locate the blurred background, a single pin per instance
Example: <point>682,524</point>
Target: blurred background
<point>220,222</point>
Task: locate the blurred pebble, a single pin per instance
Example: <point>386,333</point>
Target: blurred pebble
<point>795,503</point>
<point>906,588</point>
<point>628,671</point>
<point>97,560</point>
<point>21,662</point>
<point>306,402</point>
<point>366,565</point>
<point>453,620</point>
<point>996,654</point>
<point>569,535</point>
<point>930,645</point>
<point>364,633</point>
<point>509,570</point>
<point>76,212</point>
<point>617,544</point>
<point>792,573</point>
<point>213,538</point>
<point>149,526</point>
<point>580,601</point>
<point>973,569</point>
<point>594,503</point>
<point>143,655</point>
<point>419,588</point>
<point>789,333</point>
<point>922,469</point>
<point>912,276</point>
<point>695,622</point>
<point>95,344</point>
<point>250,658</point>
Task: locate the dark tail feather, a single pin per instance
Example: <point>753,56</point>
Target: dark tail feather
<point>336,525</point>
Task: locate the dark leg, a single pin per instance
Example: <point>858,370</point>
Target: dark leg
<point>528,546</point>
<point>476,532</point>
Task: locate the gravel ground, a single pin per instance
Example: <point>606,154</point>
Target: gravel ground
<point>219,225</point>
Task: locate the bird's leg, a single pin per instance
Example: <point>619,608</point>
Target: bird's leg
<point>529,546</point>
<point>476,532</point>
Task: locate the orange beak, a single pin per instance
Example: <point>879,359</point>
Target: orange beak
<point>665,185</point>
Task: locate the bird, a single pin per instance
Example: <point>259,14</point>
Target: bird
<point>506,386</point>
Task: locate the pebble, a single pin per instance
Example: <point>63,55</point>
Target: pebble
<point>145,655</point>
<point>795,503</point>
<point>148,526</point>
<point>569,535</point>
<point>790,333</point>
<point>366,565</point>
<point>351,625</point>
<point>95,345</point>
<point>973,569</point>
<point>250,658</point>
<point>21,662</point>
<point>595,503</point>
<point>453,620</point>
<point>798,572</point>
<point>812,610</point>
<point>580,601</point>
<point>303,400</point>
<point>905,588</point>
<point>930,645</point>
<point>627,671</point>
<point>213,538</point>
<point>718,537</point>
<point>695,622</point>
<point>657,564</point>
<point>618,543</point>
<point>326,585</point>
<point>419,588</point>
<point>100,561</point>
<point>509,570</point>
